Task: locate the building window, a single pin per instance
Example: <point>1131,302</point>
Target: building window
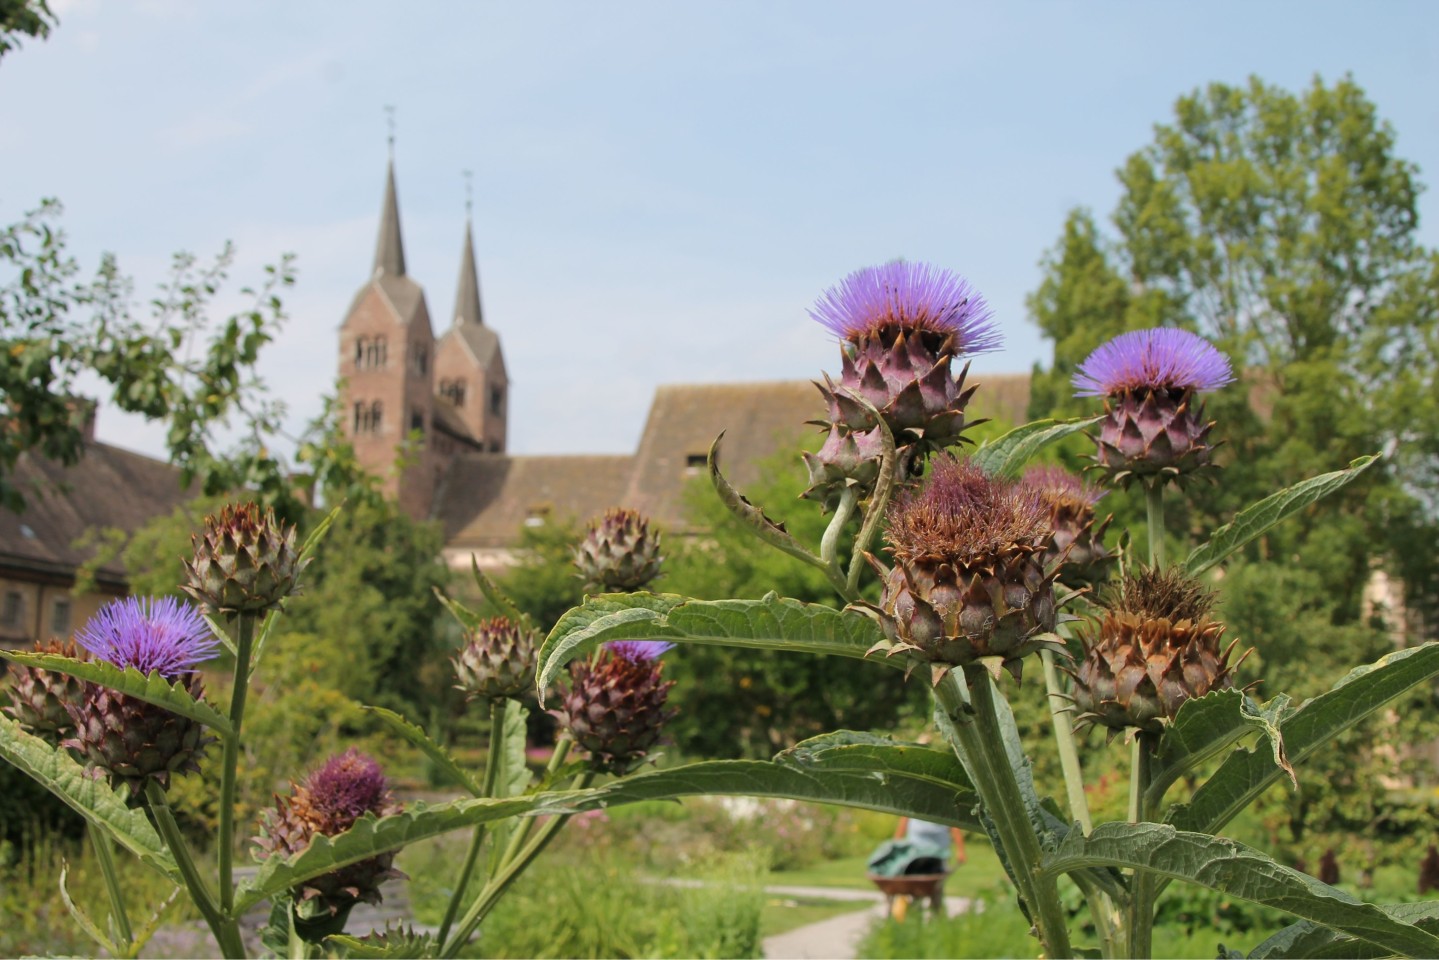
<point>494,446</point>
<point>497,400</point>
<point>367,417</point>
<point>453,391</point>
<point>421,358</point>
<point>60,617</point>
<point>695,462</point>
<point>370,353</point>
<point>12,609</point>
<point>417,421</point>
<point>537,515</point>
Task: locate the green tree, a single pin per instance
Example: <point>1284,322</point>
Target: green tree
<point>24,18</point>
<point>1283,227</point>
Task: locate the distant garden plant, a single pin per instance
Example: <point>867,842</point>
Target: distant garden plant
<point>959,567</point>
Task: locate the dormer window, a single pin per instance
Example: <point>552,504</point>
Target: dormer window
<point>694,463</point>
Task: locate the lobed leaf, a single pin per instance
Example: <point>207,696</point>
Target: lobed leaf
<point>91,797</point>
<point>1256,518</point>
<point>498,597</point>
<point>1238,871</point>
<point>1008,454</point>
<point>1245,774</point>
<point>773,623</point>
<point>439,756</point>
<point>515,774</point>
<point>1309,939</point>
<point>131,682</point>
<point>1204,726</point>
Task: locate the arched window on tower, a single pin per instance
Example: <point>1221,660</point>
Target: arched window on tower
<point>453,391</point>
<point>421,358</point>
<point>376,416</point>
<point>367,417</point>
<point>370,353</point>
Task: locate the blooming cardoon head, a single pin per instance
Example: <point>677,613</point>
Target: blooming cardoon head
<point>1154,648</point>
<point>1153,426</point>
<point>344,789</point>
<point>900,325</point>
<point>620,553</point>
<point>498,660</point>
<point>40,699</point>
<point>969,580</point>
<point>615,707</point>
<point>245,562</point>
<point>132,740</point>
<point>1077,545</point>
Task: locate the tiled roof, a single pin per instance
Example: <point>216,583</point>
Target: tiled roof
<point>109,487</point>
<point>447,419</point>
<point>486,498</point>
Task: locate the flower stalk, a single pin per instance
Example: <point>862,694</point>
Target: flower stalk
<point>493,763</point>
<point>225,928</point>
<point>245,638</point>
<point>105,854</point>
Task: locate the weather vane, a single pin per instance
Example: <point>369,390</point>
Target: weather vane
<point>469,179</point>
<point>390,125</point>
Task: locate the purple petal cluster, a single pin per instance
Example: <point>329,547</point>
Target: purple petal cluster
<point>1162,358</point>
<point>962,514</point>
<point>150,634</point>
<point>348,786</point>
<point>908,296</point>
<point>640,651</point>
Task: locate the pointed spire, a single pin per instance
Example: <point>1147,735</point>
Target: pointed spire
<point>390,251</point>
<point>467,297</point>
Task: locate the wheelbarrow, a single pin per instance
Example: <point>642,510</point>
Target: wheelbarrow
<point>900,890</point>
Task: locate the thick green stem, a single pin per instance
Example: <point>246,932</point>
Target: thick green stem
<point>1141,908</point>
<point>526,826</point>
<point>493,762</point>
<point>1154,507</point>
<point>982,740</point>
<point>106,856</point>
<point>508,872</point>
<point>225,929</point>
<point>829,543</point>
<point>1060,707</point>
<point>245,628</point>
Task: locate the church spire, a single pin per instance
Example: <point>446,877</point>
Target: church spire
<point>390,251</point>
<point>467,296</point>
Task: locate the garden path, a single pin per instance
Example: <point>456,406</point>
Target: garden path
<point>837,937</point>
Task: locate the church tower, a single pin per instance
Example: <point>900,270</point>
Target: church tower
<point>469,367</point>
<point>387,355</point>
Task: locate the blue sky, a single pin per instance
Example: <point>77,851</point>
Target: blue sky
<point>660,189</point>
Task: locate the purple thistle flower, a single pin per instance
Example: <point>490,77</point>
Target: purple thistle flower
<point>150,634</point>
<point>348,786</point>
<point>1163,358</point>
<point>640,651</point>
<point>908,296</point>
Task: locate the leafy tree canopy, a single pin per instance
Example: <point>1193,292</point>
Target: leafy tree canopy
<point>1282,226</point>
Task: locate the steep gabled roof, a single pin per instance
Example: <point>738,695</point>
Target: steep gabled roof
<point>109,487</point>
<point>486,498</point>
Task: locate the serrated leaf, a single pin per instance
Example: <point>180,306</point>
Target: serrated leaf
<point>152,689</point>
<point>90,797</point>
<point>1205,726</point>
<point>468,619</point>
<point>498,597</point>
<point>371,836</point>
<point>439,756</point>
<point>1256,518</point>
<point>82,919</point>
<point>1008,454</point>
<point>1311,940</point>
<point>1237,871</point>
<point>515,775</point>
<point>394,943</point>
<point>754,519</point>
<point>611,616</point>
<point>856,751</point>
<point>1245,774</point>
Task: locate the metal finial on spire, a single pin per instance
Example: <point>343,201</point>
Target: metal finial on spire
<point>469,179</point>
<point>390,126</point>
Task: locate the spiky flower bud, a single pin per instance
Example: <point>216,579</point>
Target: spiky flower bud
<point>1078,544</point>
<point>330,801</point>
<point>846,459</point>
<point>1154,648</point>
<point>615,706</point>
<point>1154,425</point>
<point>40,699</point>
<point>131,740</point>
<point>619,554</point>
<point>245,562</point>
<point>901,326</point>
<point>969,580</point>
<point>498,660</point>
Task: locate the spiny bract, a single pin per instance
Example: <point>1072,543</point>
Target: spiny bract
<point>619,554</point>
<point>615,706</point>
<point>497,660</point>
<point>40,699</point>
<point>245,562</point>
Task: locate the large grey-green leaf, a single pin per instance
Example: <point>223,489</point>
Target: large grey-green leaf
<point>371,836</point>
<point>1237,871</point>
<point>1008,454</point>
<point>515,775</point>
<point>1205,726</point>
<point>1245,774</point>
<point>90,797</point>
<point>865,752</point>
<point>774,623</point>
<point>131,682</point>
<point>1311,940</point>
<point>1256,518</point>
<point>438,755</point>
